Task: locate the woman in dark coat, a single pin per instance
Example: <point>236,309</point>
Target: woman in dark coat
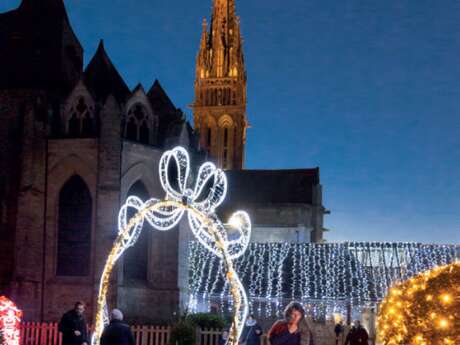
<point>287,331</point>
<point>251,332</point>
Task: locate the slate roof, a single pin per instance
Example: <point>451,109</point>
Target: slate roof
<point>271,186</point>
<point>102,78</point>
<point>170,117</point>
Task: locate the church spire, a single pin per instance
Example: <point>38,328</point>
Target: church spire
<point>220,87</point>
<point>224,40</point>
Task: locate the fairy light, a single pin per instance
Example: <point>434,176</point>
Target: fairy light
<point>199,205</point>
<point>423,309</point>
<point>330,276</point>
<point>10,321</point>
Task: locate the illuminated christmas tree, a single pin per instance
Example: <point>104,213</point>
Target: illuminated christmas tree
<point>425,310</point>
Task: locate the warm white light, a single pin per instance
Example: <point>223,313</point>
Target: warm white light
<point>199,204</point>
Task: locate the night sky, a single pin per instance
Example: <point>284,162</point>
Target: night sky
<point>367,90</point>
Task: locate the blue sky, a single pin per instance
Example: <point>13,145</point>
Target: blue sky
<point>367,90</point>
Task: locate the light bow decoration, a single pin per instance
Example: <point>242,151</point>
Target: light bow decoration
<point>10,321</point>
<point>199,203</point>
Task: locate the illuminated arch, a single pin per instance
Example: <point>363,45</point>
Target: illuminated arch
<point>199,205</point>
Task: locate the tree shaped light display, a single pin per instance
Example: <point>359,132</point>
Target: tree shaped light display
<point>424,310</point>
<point>199,204</point>
<point>10,321</point>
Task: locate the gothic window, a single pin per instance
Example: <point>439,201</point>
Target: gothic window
<point>209,137</point>
<point>226,136</point>
<point>131,129</point>
<point>144,133</point>
<point>227,96</point>
<point>81,123</point>
<point>136,257</point>
<point>87,127</point>
<point>74,126</point>
<point>74,229</point>
<point>137,125</point>
<point>225,148</point>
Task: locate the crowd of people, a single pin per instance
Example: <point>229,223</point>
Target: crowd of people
<point>293,329</point>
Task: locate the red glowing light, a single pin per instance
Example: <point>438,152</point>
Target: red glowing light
<point>10,321</point>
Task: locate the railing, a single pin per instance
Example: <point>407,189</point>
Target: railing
<point>47,333</point>
<point>37,333</point>
<point>151,335</point>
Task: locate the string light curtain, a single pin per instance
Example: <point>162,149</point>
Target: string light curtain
<point>327,277</point>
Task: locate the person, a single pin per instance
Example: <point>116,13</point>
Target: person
<point>287,331</point>
<point>73,326</point>
<point>251,332</point>
<point>117,332</point>
<point>357,335</point>
<point>224,337</point>
<point>338,330</point>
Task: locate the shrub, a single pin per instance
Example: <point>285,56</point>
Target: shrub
<point>183,333</point>
<point>206,320</point>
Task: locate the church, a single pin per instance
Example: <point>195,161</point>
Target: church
<point>75,142</point>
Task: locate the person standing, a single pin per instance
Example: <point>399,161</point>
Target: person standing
<point>117,332</point>
<point>338,330</point>
<point>251,332</point>
<point>224,337</point>
<point>357,335</point>
<point>73,326</point>
<point>287,331</point>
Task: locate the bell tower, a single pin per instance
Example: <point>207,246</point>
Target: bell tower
<point>219,108</point>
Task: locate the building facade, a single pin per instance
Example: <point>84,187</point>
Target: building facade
<point>76,142</point>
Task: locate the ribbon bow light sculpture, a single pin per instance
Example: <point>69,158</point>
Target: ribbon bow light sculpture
<point>199,203</point>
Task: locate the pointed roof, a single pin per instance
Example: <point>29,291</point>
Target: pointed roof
<point>39,48</point>
<point>138,88</point>
<point>181,133</point>
<point>102,78</point>
<point>35,5</point>
<point>168,114</point>
<point>161,102</point>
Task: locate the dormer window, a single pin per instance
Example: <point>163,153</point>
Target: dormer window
<point>137,127</point>
<point>80,123</point>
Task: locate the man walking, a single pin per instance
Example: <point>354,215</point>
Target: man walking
<point>357,335</point>
<point>338,330</point>
<point>117,332</point>
<point>73,326</point>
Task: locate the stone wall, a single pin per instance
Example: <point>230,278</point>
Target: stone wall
<point>68,157</point>
<point>281,222</point>
<point>160,290</point>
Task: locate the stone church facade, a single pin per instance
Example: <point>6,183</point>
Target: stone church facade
<point>75,142</point>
